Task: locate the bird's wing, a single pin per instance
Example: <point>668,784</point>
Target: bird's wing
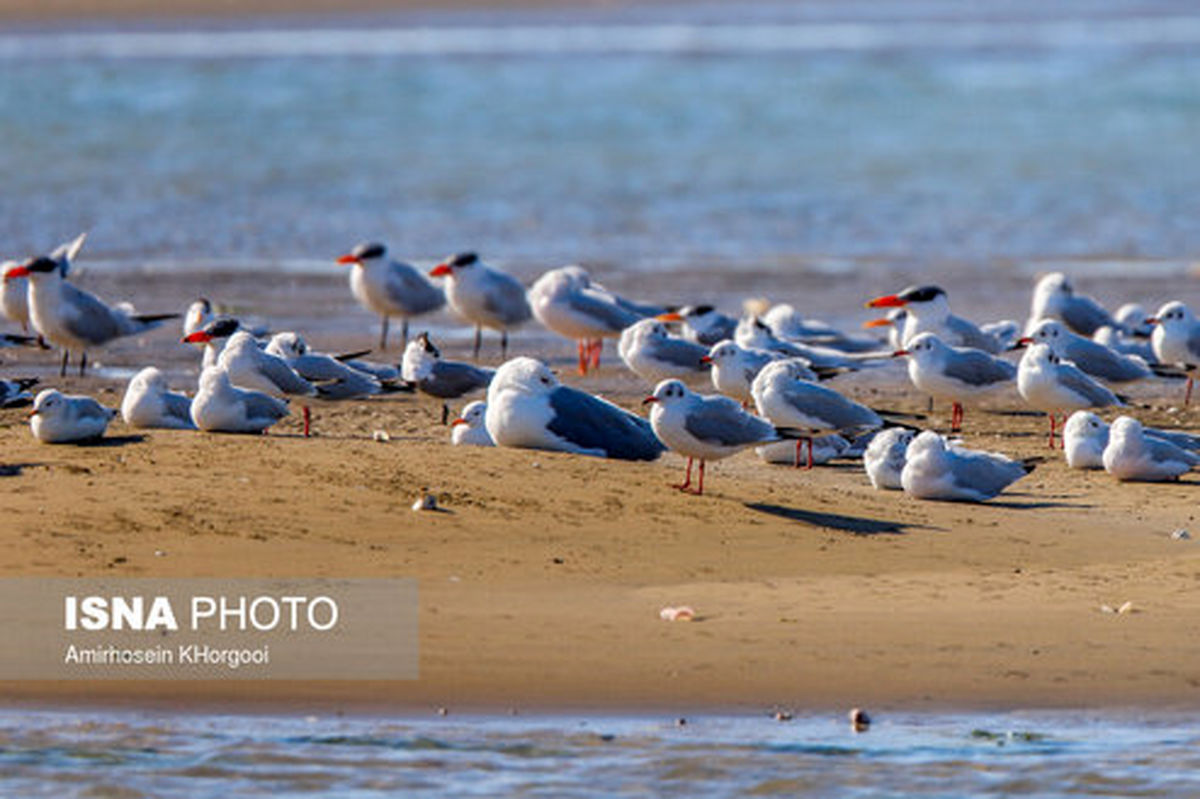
<point>506,299</point>
<point>592,423</point>
<point>1085,316</point>
<point>87,318</point>
<point>838,411</point>
<point>408,288</point>
<point>1075,380</point>
<point>971,336</point>
<point>977,368</point>
<point>263,406</point>
<point>282,375</point>
<point>450,379</point>
<point>720,420</point>
<point>604,311</point>
<point>678,352</point>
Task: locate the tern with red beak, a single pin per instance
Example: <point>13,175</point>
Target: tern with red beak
<point>956,374</point>
<point>483,296</point>
<point>928,311</point>
<point>389,288</point>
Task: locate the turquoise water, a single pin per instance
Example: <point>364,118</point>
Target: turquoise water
<point>127,754</point>
<point>906,130</point>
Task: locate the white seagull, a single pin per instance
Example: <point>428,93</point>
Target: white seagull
<point>483,296</point>
<point>58,418</point>
<point>566,302</point>
<point>333,379</point>
<point>928,310</point>
<point>1056,387</point>
<point>1095,359</point>
<point>389,288</point>
<point>704,428</point>
<point>885,457</point>
<point>253,369</point>
<point>470,428</point>
<point>653,354</point>
<point>956,374</point>
<point>1133,455</point>
<point>734,368</point>
<point>1176,340</point>
<point>934,470</point>
<point>148,403</point>
<point>528,408</point>
<point>220,407</point>
<point>1055,298</point>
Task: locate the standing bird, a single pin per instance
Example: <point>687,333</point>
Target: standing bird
<point>704,428</point>
<point>220,407</point>
<point>787,399</point>
<point>928,310</point>
<point>653,354</point>
<point>1095,359</point>
<point>484,296</point>
<point>702,324</point>
<point>1176,340</point>
<point>253,369</point>
<point>566,302</point>
<point>1054,386</point>
<point>148,403</point>
<point>734,368</point>
<point>933,470</point>
<point>72,318</point>
<point>1133,455</point>
<point>1055,298</point>
<point>885,458</point>
<point>14,290</point>
<point>954,373</point>
<point>470,428</point>
<point>58,418</point>
<point>389,288</point>
<point>424,368</point>
<point>528,408</point>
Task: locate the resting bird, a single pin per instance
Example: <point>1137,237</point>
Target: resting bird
<point>933,470</point>
<point>58,418</point>
<point>148,403</point>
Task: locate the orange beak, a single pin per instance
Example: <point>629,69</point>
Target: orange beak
<point>33,413</point>
<point>886,301</point>
<point>349,259</point>
<point>199,337</point>
<point>458,421</point>
<point>669,316</point>
<point>881,322</point>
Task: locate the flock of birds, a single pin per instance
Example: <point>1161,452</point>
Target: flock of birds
<point>770,371</point>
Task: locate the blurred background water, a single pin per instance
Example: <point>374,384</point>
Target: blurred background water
<point>739,134</point>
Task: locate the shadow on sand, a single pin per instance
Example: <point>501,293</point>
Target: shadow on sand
<point>859,525</point>
<point>15,469</point>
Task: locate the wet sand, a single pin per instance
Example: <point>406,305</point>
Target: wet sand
<point>542,582</point>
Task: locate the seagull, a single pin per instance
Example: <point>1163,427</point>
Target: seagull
<point>1056,386</point>
<point>885,458</point>
<point>954,373</point>
<point>933,470</point>
<point>702,324</point>
<point>1054,298</point>
<point>704,428</point>
<point>653,354</point>
<point>250,368</point>
<point>58,418</point>
<point>1086,435</point>
<point>1117,341</point>
<point>389,288</point>
<point>198,314</point>
<point>213,336</point>
<point>484,296</point>
<point>928,310</point>
<point>734,368</point>
<point>527,407</point>
<point>1133,319</point>
<point>1176,340</point>
<point>1094,359</point>
<point>752,333</point>
<point>424,368</point>
<point>334,379</point>
<point>73,318</point>
<point>1132,455</point>
<point>470,428</point>
<point>566,302</point>
<point>220,407</point>
<point>785,398</point>
<point>790,325</point>
<point>15,393</point>
<point>148,403</point>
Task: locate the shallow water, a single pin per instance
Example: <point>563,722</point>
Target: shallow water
<point>744,136</point>
<point>129,754</point>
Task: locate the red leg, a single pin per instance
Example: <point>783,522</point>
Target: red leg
<point>701,489</point>
<point>1050,440</point>
<point>582,358</point>
<point>307,420</point>
<point>956,418</point>
<point>810,453</point>
<point>687,480</point>
<point>796,461</point>
<point>597,348</point>
<point>1187,397</point>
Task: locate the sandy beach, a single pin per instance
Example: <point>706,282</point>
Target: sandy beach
<point>542,580</point>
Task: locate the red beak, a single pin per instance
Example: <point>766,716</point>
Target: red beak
<point>199,337</point>
<point>882,322</point>
<point>1153,320</point>
<point>349,259</point>
<point>16,271</point>
<point>441,270</point>
<point>887,301</point>
<point>705,359</point>
<point>458,421</point>
<point>900,353</point>
<point>648,400</point>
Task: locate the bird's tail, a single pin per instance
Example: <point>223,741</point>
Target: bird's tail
<point>1167,371</point>
<point>1029,464</point>
<point>154,318</point>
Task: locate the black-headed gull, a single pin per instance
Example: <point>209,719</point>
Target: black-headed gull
<point>58,418</point>
<point>389,288</point>
<point>483,296</point>
<point>527,407</point>
<point>1176,340</point>
<point>702,324</point>
<point>928,310</point>
<point>424,368</point>
<point>653,354</point>
<point>935,470</point>
<point>704,428</point>
<point>149,403</point>
<point>957,374</point>
<point>249,367</point>
<point>566,302</point>
<point>334,379</point>
<point>885,457</point>
<point>221,407</point>
<point>753,333</point>
<point>788,399</point>
<point>734,368</point>
<point>1054,298</point>
<point>74,319</point>
<point>790,325</point>
<point>1094,359</point>
<point>1134,456</point>
<point>470,428</point>
<point>1054,386</point>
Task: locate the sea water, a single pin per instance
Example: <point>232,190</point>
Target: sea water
<point>133,754</point>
